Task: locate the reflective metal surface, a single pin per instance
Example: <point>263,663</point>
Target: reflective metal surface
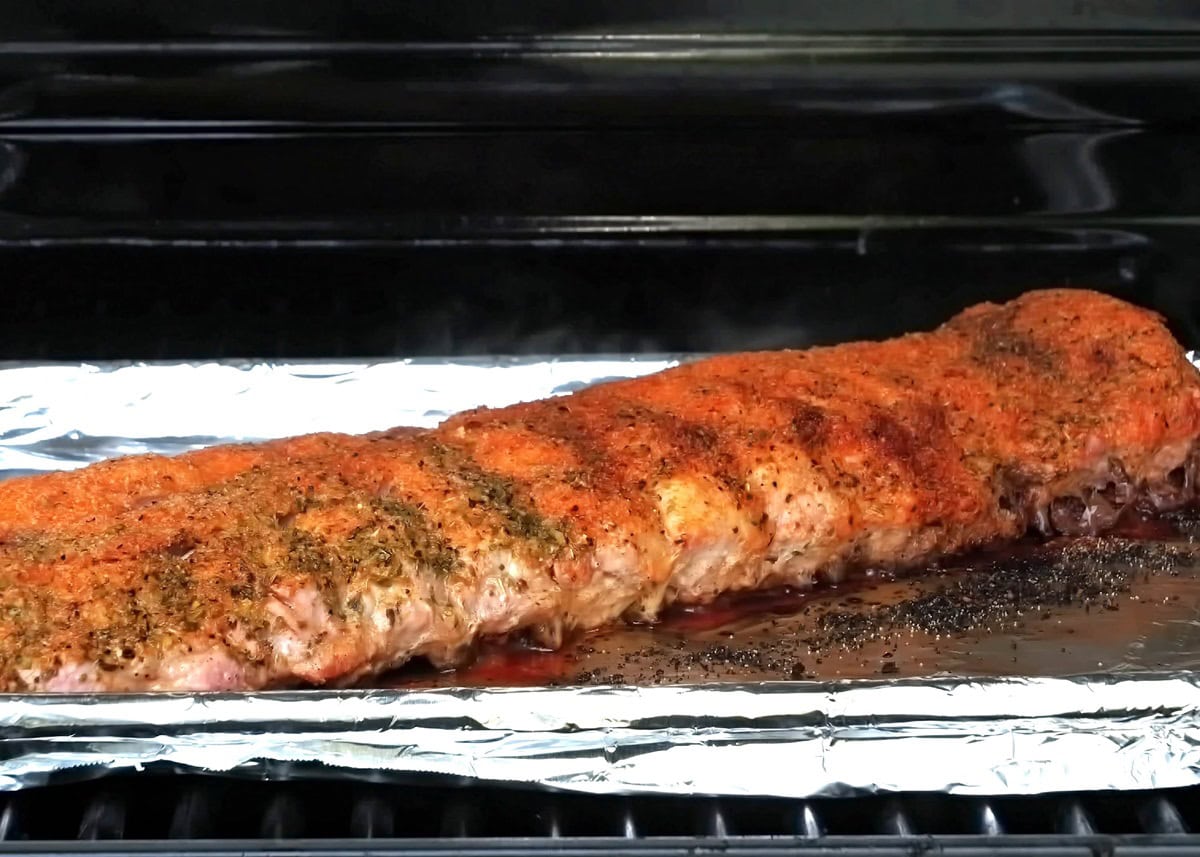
<point>58,417</point>
<point>998,736</point>
<point>1082,682</point>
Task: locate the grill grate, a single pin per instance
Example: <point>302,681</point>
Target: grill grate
<point>183,808</point>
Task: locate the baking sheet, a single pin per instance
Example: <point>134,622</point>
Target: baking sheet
<point>1049,667</point>
<point>1071,607</point>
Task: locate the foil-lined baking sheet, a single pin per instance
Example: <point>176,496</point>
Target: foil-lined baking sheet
<point>1001,736</point>
<point>57,417</point>
<point>1066,666</point>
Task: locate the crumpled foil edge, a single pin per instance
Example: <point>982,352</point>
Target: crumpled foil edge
<point>798,739</point>
<point>784,739</point>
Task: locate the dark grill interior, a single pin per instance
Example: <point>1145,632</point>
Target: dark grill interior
<point>186,808</point>
<point>168,303</point>
<point>381,178</point>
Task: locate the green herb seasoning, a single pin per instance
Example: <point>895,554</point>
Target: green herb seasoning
<point>520,520</point>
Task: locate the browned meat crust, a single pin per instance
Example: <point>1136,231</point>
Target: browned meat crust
<point>325,558</point>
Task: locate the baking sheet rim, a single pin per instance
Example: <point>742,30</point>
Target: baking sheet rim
<point>820,738</point>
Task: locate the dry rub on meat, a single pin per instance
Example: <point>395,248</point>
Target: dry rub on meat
<point>322,559</point>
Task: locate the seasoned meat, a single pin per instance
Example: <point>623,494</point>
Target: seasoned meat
<point>326,558</point>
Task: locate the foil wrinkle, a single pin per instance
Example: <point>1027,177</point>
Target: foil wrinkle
<point>958,735</point>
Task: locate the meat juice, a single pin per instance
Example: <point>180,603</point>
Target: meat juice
<point>1124,601</point>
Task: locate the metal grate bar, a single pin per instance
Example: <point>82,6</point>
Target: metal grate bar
<point>808,823</point>
<point>987,822</point>
<point>283,818</point>
<point>458,819</point>
<point>629,828</point>
<point>716,821</point>
<point>181,809</point>
<point>372,818</point>
<point>1074,819</point>
<point>193,817</point>
<point>551,822</point>
<point>104,818</point>
<point>895,820</point>
<point>1160,815</point>
<point>9,821</point>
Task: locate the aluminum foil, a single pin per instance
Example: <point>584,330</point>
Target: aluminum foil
<point>1131,725</point>
<point>59,417</point>
<point>1003,736</point>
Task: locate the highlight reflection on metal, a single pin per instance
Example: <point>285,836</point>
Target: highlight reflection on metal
<point>1001,735</point>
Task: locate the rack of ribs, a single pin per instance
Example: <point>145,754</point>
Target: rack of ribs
<point>324,559</point>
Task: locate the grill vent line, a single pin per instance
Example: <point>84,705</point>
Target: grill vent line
<point>213,815</point>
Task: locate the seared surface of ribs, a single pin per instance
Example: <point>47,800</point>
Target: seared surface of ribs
<point>326,558</point>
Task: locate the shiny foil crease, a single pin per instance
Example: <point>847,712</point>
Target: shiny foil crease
<point>992,736</point>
